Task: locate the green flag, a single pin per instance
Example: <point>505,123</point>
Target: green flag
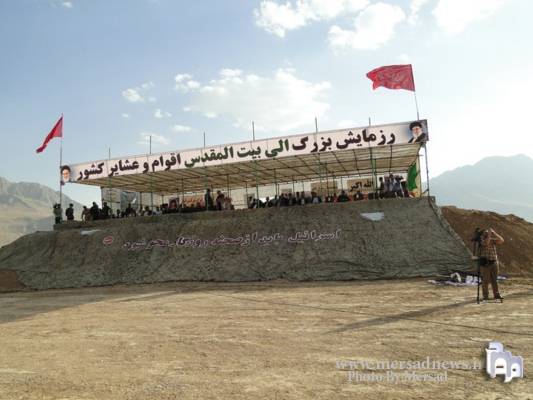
<point>411,178</point>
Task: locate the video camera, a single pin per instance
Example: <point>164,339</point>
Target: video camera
<point>479,235</point>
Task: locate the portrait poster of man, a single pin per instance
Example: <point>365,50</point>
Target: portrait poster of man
<point>65,174</point>
<point>419,132</point>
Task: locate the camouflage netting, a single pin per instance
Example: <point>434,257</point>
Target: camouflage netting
<point>395,238</point>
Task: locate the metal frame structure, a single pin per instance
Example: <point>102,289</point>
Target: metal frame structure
<point>369,161</point>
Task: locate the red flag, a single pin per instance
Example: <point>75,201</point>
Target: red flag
<point>57,131</point>
<point>393,77</point>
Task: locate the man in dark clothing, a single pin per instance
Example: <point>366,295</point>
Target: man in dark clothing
<point>219,200</point>
<point>69,212</point>
<point>106,211</point>
<point>130,212</point>
<point>95,212</point>
<point>343,197</point>
<point>208,200</point>
<point>57,213</point>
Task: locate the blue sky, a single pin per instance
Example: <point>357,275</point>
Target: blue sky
<point>122,70</point>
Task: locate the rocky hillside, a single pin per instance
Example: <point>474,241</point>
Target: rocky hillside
<point>25,208</point>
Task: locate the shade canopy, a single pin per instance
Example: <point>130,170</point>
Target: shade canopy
<point>395,159</point>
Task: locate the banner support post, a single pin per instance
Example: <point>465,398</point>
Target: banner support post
<point>416,104</point>
<point>427,168</point>
<point>60,177</point>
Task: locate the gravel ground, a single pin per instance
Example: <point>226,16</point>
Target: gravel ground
<point>274,340</point>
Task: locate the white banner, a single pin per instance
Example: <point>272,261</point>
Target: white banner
<point>320,142</point>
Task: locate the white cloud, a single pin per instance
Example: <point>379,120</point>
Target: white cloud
<point>182,77</point>
<point>157,139</point>
<point>67,4</point>
<point>125,115</point>
<point>455,15</point>
<point>414,10</point>
<point>136,94</point>
<point>158,113</point>
<point>185,83</point>
<point>276,103</point>
<point>278,18</point>
<point>374,27</point>
<point>186,109</point>
<point>132,95</point>
<point>181,128</point>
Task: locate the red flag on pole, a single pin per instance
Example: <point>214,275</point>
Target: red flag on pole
<point>57,131</point>
<point>393,77</point>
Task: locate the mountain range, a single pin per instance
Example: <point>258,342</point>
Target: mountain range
<point>498,184</point>
<point>27,207</point>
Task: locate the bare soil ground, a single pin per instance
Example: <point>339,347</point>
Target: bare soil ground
<point>272,340</point>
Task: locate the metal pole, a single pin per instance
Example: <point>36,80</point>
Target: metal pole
<point>372,163</point>
<point>256,185</point>
<point>373,166</point>
<point>60,177</point>
<point>416,104</point>
<point>418,174</point>
<point>204,140</point>
<point>427,168</point>
<point>151,181</point>
<point>327,183</point>
<point>109,181</point>
<point>275,182</point>
<point>182,195</point>
<point>253,131</point>
<point>414,90</point>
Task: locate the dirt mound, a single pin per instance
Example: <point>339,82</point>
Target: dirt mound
<point>393,238</point>
<point>516,254</point>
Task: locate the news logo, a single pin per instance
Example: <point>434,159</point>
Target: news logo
<point>500,362</point>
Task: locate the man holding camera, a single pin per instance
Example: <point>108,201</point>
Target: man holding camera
<point>488,261</point>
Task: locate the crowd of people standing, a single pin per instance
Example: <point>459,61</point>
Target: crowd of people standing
<point>389,186</point>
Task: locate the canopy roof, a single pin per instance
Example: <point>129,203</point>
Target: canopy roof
<point>377,149</point>
<point>395,158</point>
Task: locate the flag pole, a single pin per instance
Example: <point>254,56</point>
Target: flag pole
<point>416,100</point>
<point>151,182</point>
<point>425,144</point>
<point>416,103</point>
<point>110,198</point>
<point>60,177</point>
